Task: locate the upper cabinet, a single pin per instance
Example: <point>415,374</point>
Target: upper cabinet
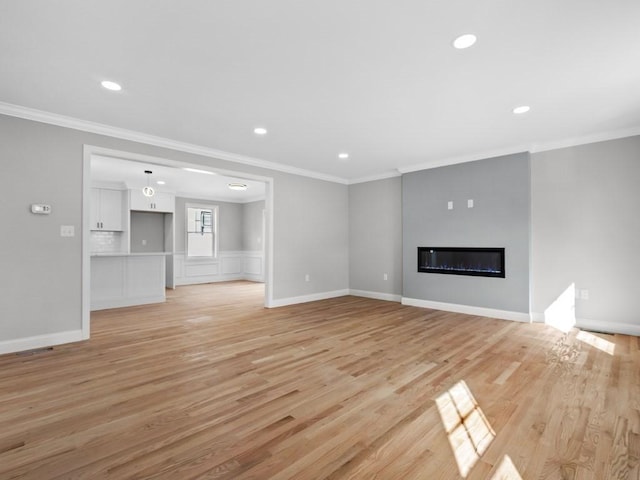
<point>160,202</point>
<point>106,209</point>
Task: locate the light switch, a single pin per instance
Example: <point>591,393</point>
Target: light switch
<point>470,203</point>
<point>450,205</point>
<point>40,209</point>
<point>67,231</point>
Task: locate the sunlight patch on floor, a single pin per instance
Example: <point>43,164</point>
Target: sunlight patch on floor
<point>506,470</point>
<point>600,343</point>
<point>469,431</point>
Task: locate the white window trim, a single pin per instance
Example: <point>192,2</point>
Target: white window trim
<point>207,206</point>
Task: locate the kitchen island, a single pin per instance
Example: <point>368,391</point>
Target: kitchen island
<point>127,279</point>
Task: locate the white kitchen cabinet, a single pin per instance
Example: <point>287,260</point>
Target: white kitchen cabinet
<point>126,280</point>
<point>160,202</point>
<point>106,209</point>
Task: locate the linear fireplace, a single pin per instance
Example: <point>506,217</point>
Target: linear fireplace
<point>482,262</point>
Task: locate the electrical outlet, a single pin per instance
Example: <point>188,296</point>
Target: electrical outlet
<point>67,231</point>
<point>307,277</point>
<point>584,294</point>
<point>385,277</point>
<point>144,242</point>
<point>450,205</point>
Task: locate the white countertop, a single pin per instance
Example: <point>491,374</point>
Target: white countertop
<point>133,254</point>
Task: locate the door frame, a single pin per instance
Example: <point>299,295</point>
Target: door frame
<point>90,150</point>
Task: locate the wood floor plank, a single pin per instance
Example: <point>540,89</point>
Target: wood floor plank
<point>211,385</point>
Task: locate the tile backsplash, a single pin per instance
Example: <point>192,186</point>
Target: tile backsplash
<point>106,242</point>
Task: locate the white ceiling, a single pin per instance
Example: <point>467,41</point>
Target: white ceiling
<point>377,79</point>
<point>108,171</point>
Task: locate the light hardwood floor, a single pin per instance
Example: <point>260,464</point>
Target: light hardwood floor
<point>211,385</point>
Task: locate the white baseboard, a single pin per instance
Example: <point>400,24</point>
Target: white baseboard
<point>468,309</point>
<point>389,297</point>
<point>598,325</point>
<point>209,279</point>
<point>40,341</point>
<point>281,302</point>
<point>608,327</point>
<point>537,317</point>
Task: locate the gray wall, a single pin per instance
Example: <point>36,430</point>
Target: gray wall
<point>500,188</point>
<point>147,226</point>
<point>252,220</point>
<point>586,228</point>
<point>41,280</point>
<point>312,235</point>
<point>230,223</point>
<point>375,236</point>
<point>43,163</point>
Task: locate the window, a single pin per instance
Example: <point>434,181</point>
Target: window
<point>202,227</point>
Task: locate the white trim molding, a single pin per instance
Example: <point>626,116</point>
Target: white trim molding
<point>124,134</point>
<point>314,297</point>
<point>373,178</point>
<point>468,310</point>
<point>227,266</point>
<point>531,148</point>
<point>389,297</point>
<point>608,327</point>
<point>40,341</point>
<point>42,116</point>
<point>598,325</point>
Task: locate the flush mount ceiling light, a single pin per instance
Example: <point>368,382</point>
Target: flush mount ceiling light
<point>161,182</point>
<point>238,186</point>
<point>343,156</point>
<point>196,170</point>
<point>521,109</point>
<point>464,41</point>
<point>260,131</point>
<point>109,85</point>
<point>148,191</point>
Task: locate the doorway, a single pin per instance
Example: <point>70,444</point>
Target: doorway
<point>243,247</point>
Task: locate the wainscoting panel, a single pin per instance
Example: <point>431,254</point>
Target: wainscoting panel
<point>229,265</point>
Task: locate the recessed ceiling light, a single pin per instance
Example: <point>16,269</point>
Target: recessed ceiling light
<point>238,186</point>
<point>521,109</point>
<point>343,156</point>
<point>161,182</point>
<point>260,131</point>
<point>196,170</point>
<point>109,85</point>
<point>464,41</point>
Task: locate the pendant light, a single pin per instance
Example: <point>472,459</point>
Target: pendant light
<point>148,191</point>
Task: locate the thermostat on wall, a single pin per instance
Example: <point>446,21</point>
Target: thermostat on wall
<point>40,209</point>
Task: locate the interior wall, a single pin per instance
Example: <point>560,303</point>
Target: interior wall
<point>41,280</point>
<point>500,217</point>
<point>312,237</point>
<point>586,227</point>
<point>375,237</point>
<point>43,163</point>
<point>252,226</point>
<point>147,232</point>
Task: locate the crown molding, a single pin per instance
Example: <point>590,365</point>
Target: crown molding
<point>373,178</point>
<point>532,148</point>
<point>585,140</point>
<point>463,159</point>
<point>131,135</point>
